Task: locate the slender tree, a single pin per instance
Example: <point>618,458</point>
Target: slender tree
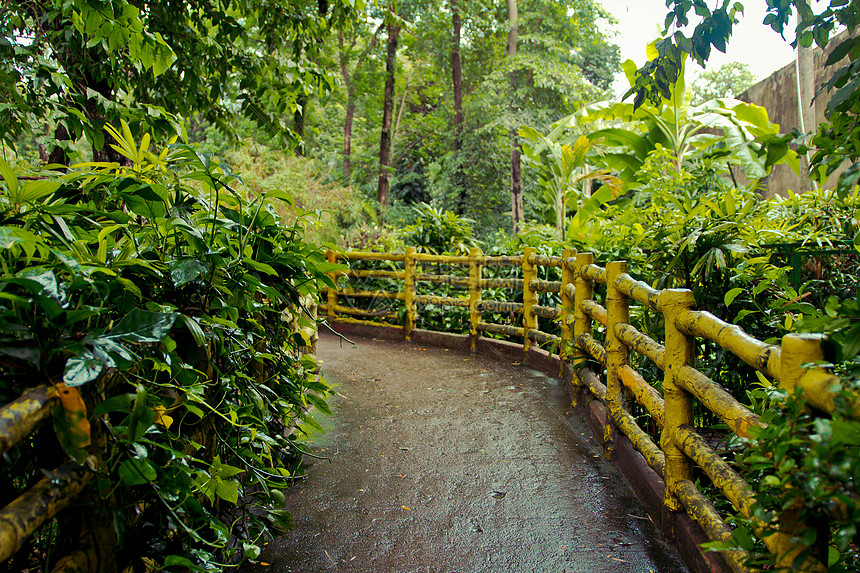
<point>393,28</point>
<point>361,61</point>
<point>516,169</point>
<point>457,83</point>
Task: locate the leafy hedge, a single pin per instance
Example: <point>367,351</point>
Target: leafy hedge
<point>169,302</point>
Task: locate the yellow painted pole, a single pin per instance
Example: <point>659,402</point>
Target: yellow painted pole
<point>567,280</point>
<point>475,273</point>
<point>409,291</point>
<point>332,292</point>
<point>680,350</point>
<point>820,387</point>
<point>798,350</point>
<point>584,291</point>
<point>617,312</point>
<point>529,296</point>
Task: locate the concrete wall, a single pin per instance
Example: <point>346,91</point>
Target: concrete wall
<point>778,94</point>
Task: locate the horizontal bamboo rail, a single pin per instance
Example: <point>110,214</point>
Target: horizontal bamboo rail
<point>671,410</point>
<point>40,503</point>
<point>19,418</point>
<point>56,491</point>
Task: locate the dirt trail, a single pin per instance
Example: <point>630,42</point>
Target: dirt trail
<point>445,462</point>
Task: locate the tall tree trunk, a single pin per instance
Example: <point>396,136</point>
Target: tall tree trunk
<point>457,78</point>
<point>350,93</point>
<point>387,112</point>
<point>516,172</point>
<point>347,136</point>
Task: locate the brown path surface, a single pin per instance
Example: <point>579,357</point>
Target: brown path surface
<point>445,462</point>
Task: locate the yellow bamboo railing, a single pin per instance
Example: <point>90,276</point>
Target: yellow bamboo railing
<point>681,446</point>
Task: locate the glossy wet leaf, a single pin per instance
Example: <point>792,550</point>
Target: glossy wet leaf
<point>144,326</point>
<point>135,471</point>
<point>82,369</point>
<point>188,270</point>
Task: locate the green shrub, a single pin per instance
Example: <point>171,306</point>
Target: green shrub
<point>169,301</point>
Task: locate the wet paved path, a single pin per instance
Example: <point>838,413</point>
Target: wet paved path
<point>446,462</point>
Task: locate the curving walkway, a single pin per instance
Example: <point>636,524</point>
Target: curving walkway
<point>446,462</point>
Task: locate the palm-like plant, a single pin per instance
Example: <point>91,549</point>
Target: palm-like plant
<point>562,169</point>
<point>726,129</point>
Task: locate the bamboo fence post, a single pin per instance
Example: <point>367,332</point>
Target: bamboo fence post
<point>529,296</point>
<point>332,292</point>
<point>584,291</point>
<point>475,273</point>
<point>798,350</point>
<point>618,312</point>
<point>409,292</point>
<point>817,383</point>
<point>680,351</point>
<point>567,278</point>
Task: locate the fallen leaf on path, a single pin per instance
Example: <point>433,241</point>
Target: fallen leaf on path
<point>498,494</point>
<point>406,508</point>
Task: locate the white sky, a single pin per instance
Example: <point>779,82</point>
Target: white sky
<point>753,43</point>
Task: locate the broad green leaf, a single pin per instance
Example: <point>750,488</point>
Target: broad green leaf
<point>32,191</point>
<point>144,326</point>
<point>731,295</point>
<point>82,369</point>
<point>137,472</point>
<point>149,201</point>
<point>21,350</point>
<point>186,270</point>
<point>195,330</point>
<point>164,58</point>
<point>222,470</point>
<point>27,241</point>
<point>228,490</point>
<point>119,403</point>
<point>261,267</point>
<point>183,563</point>
<point>319,403</point>
<point>630,70</point>
<point>47,280</point>
<point>752,114</point>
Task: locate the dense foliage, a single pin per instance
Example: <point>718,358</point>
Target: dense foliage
<point>73,66</point>
<point>564,58</point>
<point>834,140</point>
<point>174,305</point>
